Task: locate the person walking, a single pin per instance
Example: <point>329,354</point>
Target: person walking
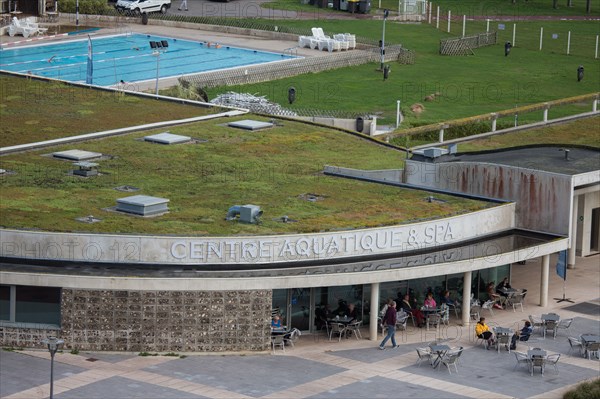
<point>183,5</point>
<point>389,320</point>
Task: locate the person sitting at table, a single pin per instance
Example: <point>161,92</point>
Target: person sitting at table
<point>447,300</point>
<point>276,323</point>
<point>321,317</point>
<point>503,286</point>
<point>352,312</point>
<point>342,308</point>
<point>493,295</point>
<point>483,331</point>
<point>405,305</point>
<point>523,335</point>
<point>429,302</point>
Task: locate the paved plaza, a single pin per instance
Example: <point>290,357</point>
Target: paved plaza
<point>319,368</point>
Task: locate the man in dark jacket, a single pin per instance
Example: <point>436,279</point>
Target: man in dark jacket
<point>389,320</point>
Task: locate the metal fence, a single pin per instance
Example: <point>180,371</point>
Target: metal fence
<point>295,67</point>
<point>465,45</point>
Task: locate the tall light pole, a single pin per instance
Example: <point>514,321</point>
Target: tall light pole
<point>53,345</point>
<point>158,47</point>
<point>386,12</point>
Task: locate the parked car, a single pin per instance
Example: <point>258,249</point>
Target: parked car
<point>138,7</point>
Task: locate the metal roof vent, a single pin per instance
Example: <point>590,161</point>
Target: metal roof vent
<point>88,219</point>
<point>249,124</point>
<point>434,152</point>
<point>85,169</point>
<point>167,138</point>
<point>128,189</point>
<point>143,205</point>
<point>247,213</point>
<point>76,155</point>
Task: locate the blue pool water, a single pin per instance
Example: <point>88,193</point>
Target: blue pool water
<point>128,58</point>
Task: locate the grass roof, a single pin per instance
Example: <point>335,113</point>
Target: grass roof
<point>273,169</point>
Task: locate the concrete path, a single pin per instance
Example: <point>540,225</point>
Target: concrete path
<point>319,368</point>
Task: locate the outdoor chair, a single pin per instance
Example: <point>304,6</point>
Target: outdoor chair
<point>277,340</point>
<point>553,360</point>
<point>574,342</point>
<point>445,314</point>
<point>550,325</point>
<point>292,336</point>
<point>424,354</point>
<point>522,358</point>
<point>401,320</point>
<point>517,300</point>
<point>489,305</point>
<point>475,312</point>
<point>536,322</point>
<point>456,350</point>
<point>29,22</point>
<point>337,328</point>
<point>354,328</point>
<point>451,359</point>
<point>482,341</point>
<point>593,348</point>
<point>564,324</point>
<point>434,319</point>
<point>341,39</point>
<point>16,28</point>
<point>503,339</point>
<point>537,361</point>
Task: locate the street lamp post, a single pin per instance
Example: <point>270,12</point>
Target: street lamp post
<point>386,12</point>
<point>77,13</point>
<point>53,344</point>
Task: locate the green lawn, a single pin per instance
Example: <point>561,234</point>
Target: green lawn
<point>468,85</point>
<point>486,9</point>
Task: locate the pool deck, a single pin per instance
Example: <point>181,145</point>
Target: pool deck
<point>319,368</point>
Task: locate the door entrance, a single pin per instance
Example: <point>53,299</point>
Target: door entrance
<point>595,233</point>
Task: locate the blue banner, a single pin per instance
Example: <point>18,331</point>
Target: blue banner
<point>561,265</point>
<point>89,79</point>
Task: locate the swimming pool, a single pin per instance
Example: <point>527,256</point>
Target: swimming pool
<point>128,58</point>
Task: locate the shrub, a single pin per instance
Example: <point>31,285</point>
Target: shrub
<point>93,7</point>
<point>586,390</point>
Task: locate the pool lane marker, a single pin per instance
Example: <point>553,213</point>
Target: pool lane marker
<point>33,39</point>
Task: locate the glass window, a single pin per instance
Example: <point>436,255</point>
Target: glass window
<point>4,302</point>
<point>38,305</point>
<point>280,304</point>
<point>421,286</point>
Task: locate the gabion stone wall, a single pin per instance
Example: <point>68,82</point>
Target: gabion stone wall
<point>166,321</point>
<point>19,337</point>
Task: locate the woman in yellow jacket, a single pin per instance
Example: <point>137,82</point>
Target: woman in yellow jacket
<point>483,331</point>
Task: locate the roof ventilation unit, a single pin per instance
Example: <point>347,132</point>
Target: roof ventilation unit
<point>434,152</point>
<point>167,138</point>
<point>247,213</point>
<point>86,169</point>
<point>143,205</point>
<point>76,155</point>
<point>249,124</point>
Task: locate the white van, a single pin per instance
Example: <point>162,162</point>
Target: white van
<point>138,7</point>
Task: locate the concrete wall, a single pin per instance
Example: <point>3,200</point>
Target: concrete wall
<point>587,202</point>
<point>369,126</point>
<point>543,199</point>
<point>115,248</point>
